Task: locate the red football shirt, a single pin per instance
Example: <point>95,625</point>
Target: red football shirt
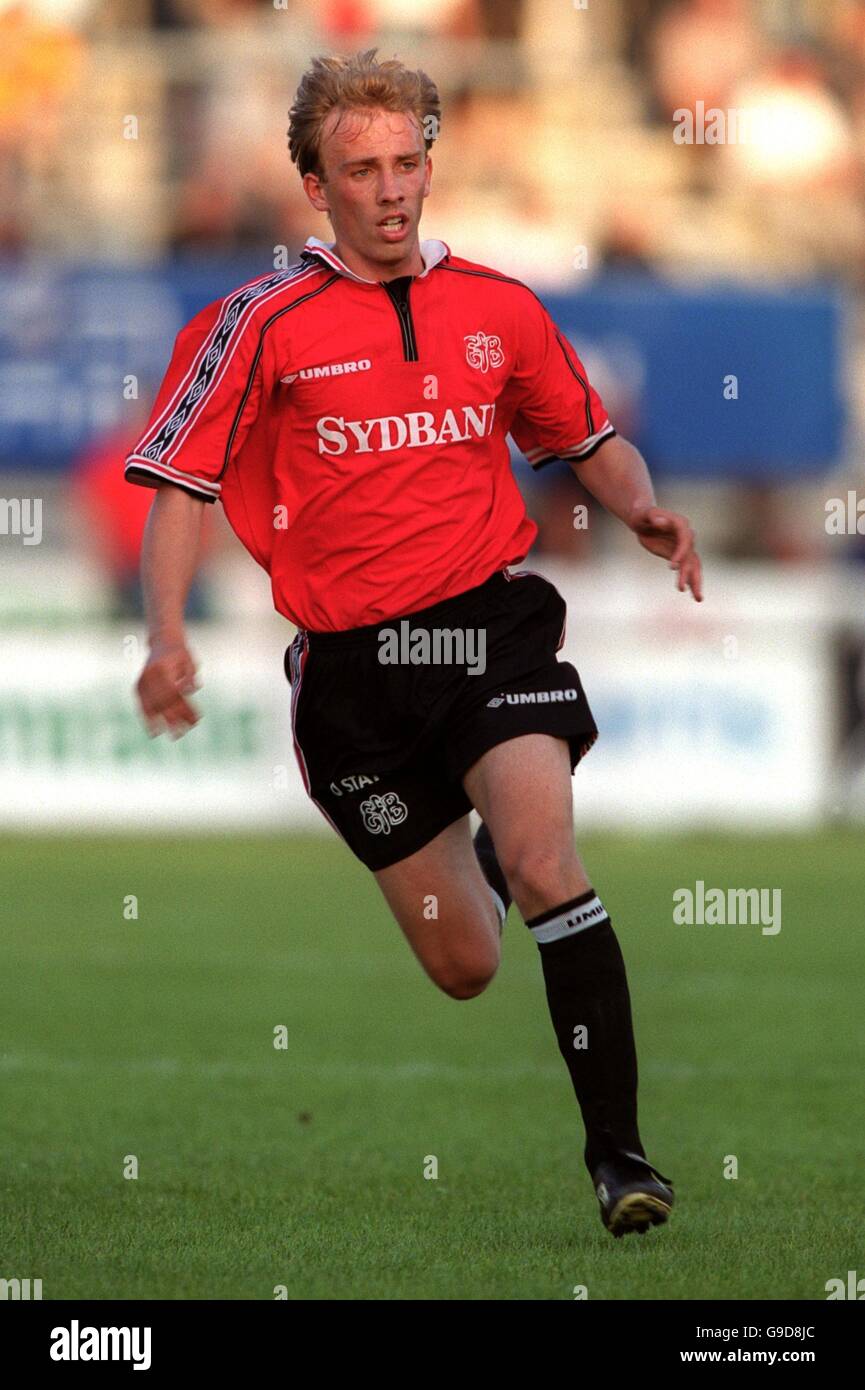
<point>356,430</point>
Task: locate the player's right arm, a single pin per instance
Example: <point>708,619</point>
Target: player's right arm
<point>205,405</point>
<point>169,558</point>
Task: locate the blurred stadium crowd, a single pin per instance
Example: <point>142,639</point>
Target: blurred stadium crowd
<point>133,131</point>
<point>538,111</point>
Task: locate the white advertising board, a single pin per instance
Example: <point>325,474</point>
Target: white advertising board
<point>721,714</point>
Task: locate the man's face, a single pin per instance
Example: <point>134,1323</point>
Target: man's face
<point>376,176</point>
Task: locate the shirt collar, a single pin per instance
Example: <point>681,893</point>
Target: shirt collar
<point>431,251</point>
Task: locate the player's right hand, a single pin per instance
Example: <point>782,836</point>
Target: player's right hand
<point>167,678</point>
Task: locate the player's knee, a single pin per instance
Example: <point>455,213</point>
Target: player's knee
<point>539,872</point>
<point>466,979</point>
<point>464,987</point>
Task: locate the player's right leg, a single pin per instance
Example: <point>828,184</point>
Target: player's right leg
<point>443,904</point>
<point>360,747</point>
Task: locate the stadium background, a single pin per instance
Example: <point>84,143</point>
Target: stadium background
<point>714,292</point>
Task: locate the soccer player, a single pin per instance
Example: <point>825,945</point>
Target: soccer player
<point>351,413</point>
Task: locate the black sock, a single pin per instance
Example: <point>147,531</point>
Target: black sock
<point>490,866</point>
<point>586,985</point>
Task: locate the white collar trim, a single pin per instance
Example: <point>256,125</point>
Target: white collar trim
<point>431,251</point>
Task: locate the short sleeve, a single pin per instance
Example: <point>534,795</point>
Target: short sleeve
<point>205,405</point>
<point>559,414</point>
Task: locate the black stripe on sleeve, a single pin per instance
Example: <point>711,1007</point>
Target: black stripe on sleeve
<point>255,361</point>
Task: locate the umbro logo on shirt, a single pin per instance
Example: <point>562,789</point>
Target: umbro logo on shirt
<point>362,364</point>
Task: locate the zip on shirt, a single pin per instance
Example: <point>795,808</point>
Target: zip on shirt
<point>398,293</point>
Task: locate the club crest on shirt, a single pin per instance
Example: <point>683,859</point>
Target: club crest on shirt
<point>484,350</point>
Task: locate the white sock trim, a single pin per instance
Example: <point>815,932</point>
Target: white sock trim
<point>571,921</point>
<point>500,907</point>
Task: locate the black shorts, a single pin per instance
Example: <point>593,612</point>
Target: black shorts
<point>383,743</point>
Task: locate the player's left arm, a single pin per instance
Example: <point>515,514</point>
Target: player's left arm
<point>559,415</point>
<point>616,474</point>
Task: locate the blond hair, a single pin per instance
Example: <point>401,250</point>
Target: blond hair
<point>349,84</point>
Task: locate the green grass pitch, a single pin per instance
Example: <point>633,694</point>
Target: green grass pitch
<point>303,1167</point>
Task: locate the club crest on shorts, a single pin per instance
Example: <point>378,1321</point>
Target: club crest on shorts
<point>382,813</point>
<point>484,350</point>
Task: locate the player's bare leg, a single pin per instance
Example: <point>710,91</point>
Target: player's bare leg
<point>522,788</point>
<point>444,906</point>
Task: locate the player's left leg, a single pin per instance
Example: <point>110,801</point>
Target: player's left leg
<point>522,788</point>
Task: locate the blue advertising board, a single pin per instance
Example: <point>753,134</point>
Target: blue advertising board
<point>717,381</point>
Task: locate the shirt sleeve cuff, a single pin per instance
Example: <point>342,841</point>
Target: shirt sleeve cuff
<point>577,453</point>
<point>148,473</point>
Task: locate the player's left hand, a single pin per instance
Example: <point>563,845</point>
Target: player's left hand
<point>669,535</point>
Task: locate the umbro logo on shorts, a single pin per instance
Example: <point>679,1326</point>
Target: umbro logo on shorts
<point>382,813</point>
<point>533,697</point>
<point>362,364</point>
